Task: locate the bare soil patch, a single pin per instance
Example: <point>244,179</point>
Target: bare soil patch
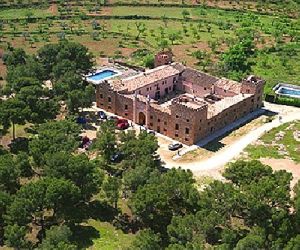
<point>106,11</point>
<point>2,72</point>
<point>53,9</point>
<point>284,164</point>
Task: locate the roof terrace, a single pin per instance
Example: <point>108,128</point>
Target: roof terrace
<point>190,101</point>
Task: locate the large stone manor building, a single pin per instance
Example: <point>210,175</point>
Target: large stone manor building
<point>180,102</point>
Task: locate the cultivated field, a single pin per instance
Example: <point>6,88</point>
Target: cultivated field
<point>120,29</point>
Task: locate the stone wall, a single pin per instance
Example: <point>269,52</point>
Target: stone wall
<point>163,87</point>
<point>196,89</point>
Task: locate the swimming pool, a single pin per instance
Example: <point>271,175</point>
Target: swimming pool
<point>102,75</point>
<point>289,91</point>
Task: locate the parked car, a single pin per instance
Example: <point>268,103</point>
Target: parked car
<point>112,118</point>
<point>81,120</point>
<point>122,124</point>
<point>85,142</point>
<point>117,157</point>
<point>174,146</point>
<point>102,115</point>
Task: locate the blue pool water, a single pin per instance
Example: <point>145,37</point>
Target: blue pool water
<point>288,91</point>
<point>102,75</point>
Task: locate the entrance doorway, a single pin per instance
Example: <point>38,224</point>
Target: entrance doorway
<point>157,95</point>
<point>142,118</point>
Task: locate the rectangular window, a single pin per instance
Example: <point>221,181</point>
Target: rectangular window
<point>151,124</point>
<point>151,117</point>
<point>187,131</point>
<point>187,120</point>
<point>126,106</point>
<point>177,116</point>
<point>101,96</point>
<point>158,120</point>
<point>174,79</point>
<point>177,126</point>
<point>186,139</point>
<point>147,89</point>
<point>109,107</point>
<point>176,135</point>
<point>109,99</point>
<point>165,123</point>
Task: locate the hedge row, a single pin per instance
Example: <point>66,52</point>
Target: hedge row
<point>283,100</point>
<point>107,17</point>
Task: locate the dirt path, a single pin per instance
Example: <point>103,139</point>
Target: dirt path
<point>222,157</point>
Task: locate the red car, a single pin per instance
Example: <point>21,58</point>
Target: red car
<point>122,124</point>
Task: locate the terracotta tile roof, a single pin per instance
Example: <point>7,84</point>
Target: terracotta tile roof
<point>198,77</point>
<point>149,77</point>
<point>229,85</point>
<point>219,106</point>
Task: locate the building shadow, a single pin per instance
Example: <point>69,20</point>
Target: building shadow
<point>217,144</point>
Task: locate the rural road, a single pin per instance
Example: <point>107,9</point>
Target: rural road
<point>232,151</point>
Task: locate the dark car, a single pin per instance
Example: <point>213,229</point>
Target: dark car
<point>102,115</point>
<point>85,141</point>
<point>117,157</point>
<point>112,118</point>
<point>81,120</point>
<point>151,132</point>
<point>175,146</point>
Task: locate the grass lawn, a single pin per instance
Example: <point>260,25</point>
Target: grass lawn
<point>109,237</point>
<point>277,67</point>
<point>170,12</point>
<point>22,13</point>
<point>20,132</point>
<point>269,145</point>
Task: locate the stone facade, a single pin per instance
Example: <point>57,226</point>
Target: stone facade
<point>179,102</point>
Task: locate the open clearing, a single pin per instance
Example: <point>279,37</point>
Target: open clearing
<point>284,164</point>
